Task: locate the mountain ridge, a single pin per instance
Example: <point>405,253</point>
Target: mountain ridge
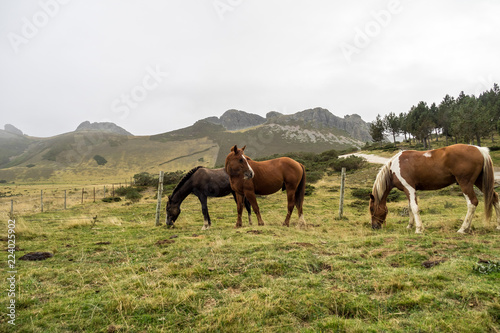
<point>207,142</point>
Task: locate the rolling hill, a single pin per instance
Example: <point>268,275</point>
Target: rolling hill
<point>103,152</point>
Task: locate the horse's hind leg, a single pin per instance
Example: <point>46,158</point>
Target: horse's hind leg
<point>291,203</point>
<point>302,221</point>
<point>472,202</point>
<point>496,204</point>
<point>204,209</point>
<point>411,223</point>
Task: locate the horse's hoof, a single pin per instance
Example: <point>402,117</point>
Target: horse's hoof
<point>498,228</point>
<point>461,231</point>
<point>418,231</point>
<point>205,227</point>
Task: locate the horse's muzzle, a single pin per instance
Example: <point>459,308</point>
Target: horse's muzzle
<point>248,174</point>
<point>169,222</point>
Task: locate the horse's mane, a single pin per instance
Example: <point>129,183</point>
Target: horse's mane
<point>186,178</point>
<point>383,181</point>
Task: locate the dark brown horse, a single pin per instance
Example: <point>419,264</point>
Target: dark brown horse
<point>203,183</point>
<point>411,170</point>
<point>248,178</point>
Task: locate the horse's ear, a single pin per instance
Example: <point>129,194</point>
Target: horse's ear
<point>372,197</point>
<point>234,149</point>
<point>243,149</point>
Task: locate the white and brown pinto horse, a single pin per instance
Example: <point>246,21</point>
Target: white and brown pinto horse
<point>248,178</point>
<point>411,170</point>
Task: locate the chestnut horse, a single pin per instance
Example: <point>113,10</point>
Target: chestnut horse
<point>411,170</point>
<point>248,178</point>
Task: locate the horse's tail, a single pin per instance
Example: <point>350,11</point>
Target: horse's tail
<point>490,196</point>
<point>301,189</point>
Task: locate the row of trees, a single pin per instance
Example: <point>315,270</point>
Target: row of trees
<point>462,119</point>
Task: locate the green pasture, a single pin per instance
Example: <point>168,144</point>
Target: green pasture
<point>120,273</point>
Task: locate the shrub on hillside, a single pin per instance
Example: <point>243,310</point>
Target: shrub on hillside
<point>309,190</point>
<point>361,193</point>
<point>133,194</point>
<point>350,163</point>
<point>100,160</point>
<point>112,199</point>
<point>364,194</point>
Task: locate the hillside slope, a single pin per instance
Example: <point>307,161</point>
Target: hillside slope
<point>75,156</point>
<point>105,152</point>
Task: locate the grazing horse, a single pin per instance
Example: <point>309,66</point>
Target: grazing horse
<point>411,170</point>
<point>248,178</point>
<point>203,183</point>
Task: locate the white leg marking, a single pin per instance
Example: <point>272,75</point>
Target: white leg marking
<point>468,218</point>
<point>206,226</point>
<point>302,221</point>
<point>413,207</point>
<point>497,211</point>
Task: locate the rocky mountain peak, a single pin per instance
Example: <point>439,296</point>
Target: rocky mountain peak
<point>12,129</point>
<point>103,127</point>
<point>236,119</point>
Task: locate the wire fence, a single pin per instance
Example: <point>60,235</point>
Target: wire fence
<point>56,199</point>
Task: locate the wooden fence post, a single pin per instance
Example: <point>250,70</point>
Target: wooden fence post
<point>82,195</point>
<point>11,207</point>
<point>94,194</point>
<point>158,203</point>
<point>41,201</point>
<point>64,199</point>
<point>342,183</point>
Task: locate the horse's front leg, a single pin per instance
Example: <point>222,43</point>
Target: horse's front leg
<point>249,211</point>
<point>413,210</point>
<point>239,208</point>
<point>250,195</point>
<point>204,209</point>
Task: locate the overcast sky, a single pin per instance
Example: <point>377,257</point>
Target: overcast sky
<point>153,66</point>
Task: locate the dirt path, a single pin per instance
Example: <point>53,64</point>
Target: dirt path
<point>370,158</point>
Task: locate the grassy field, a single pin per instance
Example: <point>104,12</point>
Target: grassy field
<point>123,274</point>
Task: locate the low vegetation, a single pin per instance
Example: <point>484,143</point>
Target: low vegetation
<point>112,270</point>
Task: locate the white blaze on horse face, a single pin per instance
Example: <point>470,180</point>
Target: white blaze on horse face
<point>396,169</point>
<point>249,168</point>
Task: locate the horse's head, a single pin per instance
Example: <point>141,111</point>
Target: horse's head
<point>173,212</point>
<point>237,164</point>
<point>378,212</point>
